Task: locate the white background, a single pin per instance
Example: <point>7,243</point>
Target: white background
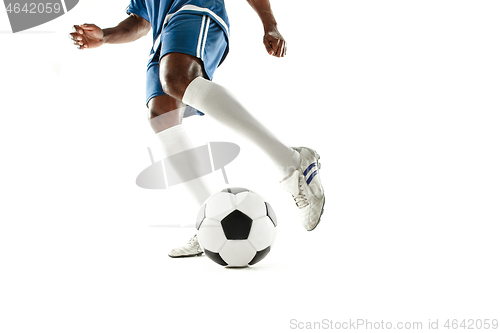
<point>400,98</point>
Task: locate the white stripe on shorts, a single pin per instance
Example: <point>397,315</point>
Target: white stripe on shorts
<point>205,37</point>
<point>200,37</point>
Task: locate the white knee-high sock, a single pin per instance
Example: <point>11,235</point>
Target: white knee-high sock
<point>174,140</point>
<point>216,101</point>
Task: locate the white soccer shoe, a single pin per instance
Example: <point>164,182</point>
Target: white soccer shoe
<point>191,249</point>
<point>305,186</point>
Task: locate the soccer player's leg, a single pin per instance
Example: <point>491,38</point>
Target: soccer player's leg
<point>299,166</point>
<point>181,78</point>
<point>196,46</point>
<point>165,117</point>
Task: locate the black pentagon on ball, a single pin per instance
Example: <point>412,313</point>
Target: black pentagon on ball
<point>260,255</point>
<point>235,190</point>
<point>236,225</point>
<point>215,257</point>
<point>271,214</point>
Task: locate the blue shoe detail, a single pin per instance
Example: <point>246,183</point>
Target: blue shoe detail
<point>312,176</point>
<point>309,168</point>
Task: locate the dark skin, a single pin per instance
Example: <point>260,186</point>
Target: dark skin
<point>177,70</point>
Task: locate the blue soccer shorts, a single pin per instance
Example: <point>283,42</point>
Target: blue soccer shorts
<point>196,35</point>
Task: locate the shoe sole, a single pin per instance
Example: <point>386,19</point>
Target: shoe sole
<point>320,215</point>
<point>316,155</point>
<point>187,255</point>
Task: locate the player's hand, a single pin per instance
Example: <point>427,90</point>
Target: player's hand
<point>87,36</point>
<point>275,43</point>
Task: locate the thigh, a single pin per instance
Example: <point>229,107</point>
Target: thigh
<point>163,103</point>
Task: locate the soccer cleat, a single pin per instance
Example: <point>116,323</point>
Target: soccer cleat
<point>191,249</point>
<point>305,186</point>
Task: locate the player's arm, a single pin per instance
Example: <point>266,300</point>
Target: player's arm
<point>275,43</point>
<point>91,36</point>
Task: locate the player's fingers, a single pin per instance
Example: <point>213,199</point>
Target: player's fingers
<point>283,49</point>
<point>88,26</point>
<point>79,40</point>
<point>280,48</point>
<point>277,48</point>
<point>75,36</point>
<point>77,29</point>
<point>269,47</point>
<point>81,46</point>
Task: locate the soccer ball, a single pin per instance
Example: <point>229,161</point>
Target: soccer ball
<point>236,227</point>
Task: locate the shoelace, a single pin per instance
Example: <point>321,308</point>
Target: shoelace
<point>300,198</point>
<point>193,240</point>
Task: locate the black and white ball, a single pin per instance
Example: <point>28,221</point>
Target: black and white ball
<point>236,227</point>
